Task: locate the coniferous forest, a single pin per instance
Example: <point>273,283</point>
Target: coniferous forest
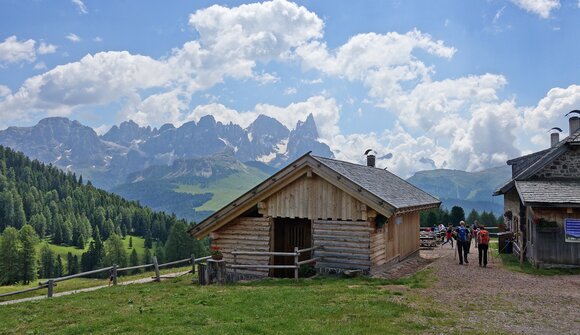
<point>39,202</point>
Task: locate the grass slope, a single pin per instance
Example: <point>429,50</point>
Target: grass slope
<point>224,190</point>
<point>62,250</point>
<point>318,306</point>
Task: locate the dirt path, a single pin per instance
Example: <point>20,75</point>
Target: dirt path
<point>89,289</point>
<point>495,300</point>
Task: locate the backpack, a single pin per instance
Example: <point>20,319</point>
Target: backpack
<point>462,234</point>
<point>483,237</point>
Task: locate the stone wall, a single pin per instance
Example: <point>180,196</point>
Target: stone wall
<point>565,166</point>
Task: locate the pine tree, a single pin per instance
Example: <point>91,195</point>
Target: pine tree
<point>47,262</point>
<point>134,260</point>
<point>69,263</point>
<point>457,214</point>
<point>147,256</point>
<point>27,254</point>
<point>81,242</point>
<point>9,249</point>
<point>75,267</point>
<point>130,242</point>
<point>115,251</point>
<point>148,240</point>
<point>58,270</point>
<point>179,242</point>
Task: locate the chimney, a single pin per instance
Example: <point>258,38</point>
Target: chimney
<point>554,139</point>
<point>371,160</point>
<point>574,124</point>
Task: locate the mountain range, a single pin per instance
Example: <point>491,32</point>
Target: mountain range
<point>195,169</point>
<point>109,159</point>
<point>470,190</point>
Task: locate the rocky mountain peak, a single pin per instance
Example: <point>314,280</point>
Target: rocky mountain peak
<point>126,133</point>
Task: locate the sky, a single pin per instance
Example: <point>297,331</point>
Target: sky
<point>426,84</point>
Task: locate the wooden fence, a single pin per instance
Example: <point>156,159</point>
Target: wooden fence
<point>295,266</point>
<point>51,283</point>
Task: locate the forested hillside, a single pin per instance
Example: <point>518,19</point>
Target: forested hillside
<point>58,204</point>
<point>58,207</point>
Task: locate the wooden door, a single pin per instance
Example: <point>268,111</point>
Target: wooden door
<point>288,234</point>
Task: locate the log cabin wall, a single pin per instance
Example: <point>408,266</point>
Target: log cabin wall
<point>379,246</point>
<point>246,234</point>
<point>346,245</point>
<point>314,198</point>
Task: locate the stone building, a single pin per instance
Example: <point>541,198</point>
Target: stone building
<point>542,201</point>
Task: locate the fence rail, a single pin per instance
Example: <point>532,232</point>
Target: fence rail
<point>50,283</point>
<point>296,266</point>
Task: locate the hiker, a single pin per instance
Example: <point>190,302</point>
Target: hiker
<point>462,234</point>
<point>448,236</point>
<point>442,232</point>
<point>482,245</point>
<point>475,232</point>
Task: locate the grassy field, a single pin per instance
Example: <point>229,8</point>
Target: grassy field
<point>224,190</point>
<point>138,245</point>
<point>78,283</point>
<point>313,306</point>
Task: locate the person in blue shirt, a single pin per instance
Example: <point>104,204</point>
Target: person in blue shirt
<point>463,242</point>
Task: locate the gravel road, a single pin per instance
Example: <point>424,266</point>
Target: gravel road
<point>494,300</point>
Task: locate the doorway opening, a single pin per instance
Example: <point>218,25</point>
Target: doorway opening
<point>290,233</point>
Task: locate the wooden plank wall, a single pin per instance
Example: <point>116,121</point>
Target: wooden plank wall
<point>346,244</point>
<point>408,234</point>
<point>551,247</point>
<point>313,198</point>
<point>246,234</point>
<point>395,240</point>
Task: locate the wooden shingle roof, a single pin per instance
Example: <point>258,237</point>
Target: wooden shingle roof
<point>382,183</point>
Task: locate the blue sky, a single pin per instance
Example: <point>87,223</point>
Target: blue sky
<point>455,84</point>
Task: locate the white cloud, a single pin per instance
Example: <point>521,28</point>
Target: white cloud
<point>542,8</point>
<point>266,78</point>
<point>290,91</point>
<point>40,66</point>
<point>96,79</point>
<point>97,39</point>
<point>80,6</point>
<point>14,51</point>
<point>5,91</point>
<point>73,37</point>
<point>44,48</point>
<point>551,109</point>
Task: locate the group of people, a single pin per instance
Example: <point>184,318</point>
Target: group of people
<point>464,235</point>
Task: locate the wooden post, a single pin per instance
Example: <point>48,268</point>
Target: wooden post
<point>50,287</point>
<point>235,269</point>
<point>156,265</point>
<point>193,263</point>
<point>115,274</point>
<point>296,263</point>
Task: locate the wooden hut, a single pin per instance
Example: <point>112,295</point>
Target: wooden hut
<point>542,202</point>
<point>361,218</point>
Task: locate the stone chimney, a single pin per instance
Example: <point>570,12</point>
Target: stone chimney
<point>371,160</point>
<point>574,124</point>
<point>554,139</point>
